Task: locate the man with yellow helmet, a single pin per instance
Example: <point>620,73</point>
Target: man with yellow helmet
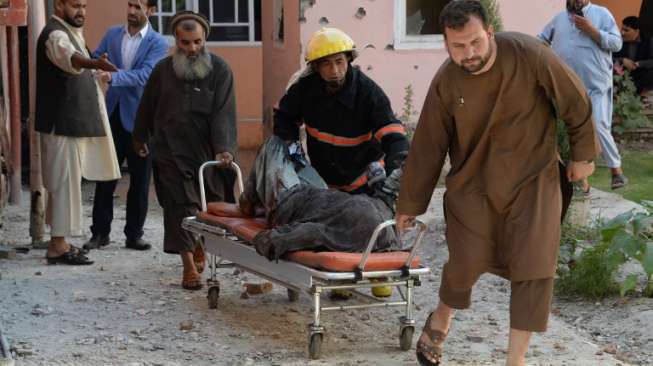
<point>352,132</point>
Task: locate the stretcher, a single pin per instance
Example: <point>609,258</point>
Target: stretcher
<point>226,236</point>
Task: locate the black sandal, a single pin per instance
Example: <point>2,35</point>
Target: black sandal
<point>435,336</point>
<point>74,257</point>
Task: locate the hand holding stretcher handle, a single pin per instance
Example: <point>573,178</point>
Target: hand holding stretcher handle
<point>220,164</point>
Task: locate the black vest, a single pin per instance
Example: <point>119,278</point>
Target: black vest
<point>66,104</point>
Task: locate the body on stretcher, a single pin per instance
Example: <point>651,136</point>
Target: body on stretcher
<point>227,235</point>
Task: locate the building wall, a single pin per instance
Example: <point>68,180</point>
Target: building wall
<point>280,59</point>
<point>394,70</point>
<point>246,63</point>
<point>621,8</point>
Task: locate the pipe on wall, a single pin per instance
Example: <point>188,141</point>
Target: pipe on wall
<point>14,96</point>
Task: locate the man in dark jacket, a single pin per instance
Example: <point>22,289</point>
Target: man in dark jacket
<point>188,116</point>
<point>636,55</point>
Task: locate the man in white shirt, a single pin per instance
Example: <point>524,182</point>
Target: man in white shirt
<point>72,123</point>
<point>135,48</point>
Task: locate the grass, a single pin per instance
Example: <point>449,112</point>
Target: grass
<point>638,167</point>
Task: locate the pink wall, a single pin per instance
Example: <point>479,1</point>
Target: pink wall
<point>393,70</point>
<point>280,60</point>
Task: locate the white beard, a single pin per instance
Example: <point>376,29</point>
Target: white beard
<point>189,69</point>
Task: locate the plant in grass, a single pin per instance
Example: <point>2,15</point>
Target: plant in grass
<point>627,105</point>
<point>408,112</point>
<point>629,238</point>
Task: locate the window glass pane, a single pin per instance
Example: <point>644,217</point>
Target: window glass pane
<point>166,25</point>
<point>243,11</point>
<point>224,11</point>
<point>166,6</point>
<point>422,16</point>
<point>154,21</point>
<point>257,20</point>
<point>181,5</point>
<point>4,3</point>
<point>204,7</point>
<point>229,34</point>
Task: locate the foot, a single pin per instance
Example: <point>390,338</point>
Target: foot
<point>191,281</point>
<point>618,181</point>
<point>97,241</point>
<point>199,258</point>
<point>137,244</point>
<point>340,295</point>
<point>74,257</point>
<point>434,333</point>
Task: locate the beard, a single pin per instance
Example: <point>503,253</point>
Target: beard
<point>74,21</point>
<point>192,68</point>
<point>477,63</point>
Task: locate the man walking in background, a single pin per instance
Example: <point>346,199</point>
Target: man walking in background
<point>188,116</point>
<point>135,48</point>
<point>584,36</point>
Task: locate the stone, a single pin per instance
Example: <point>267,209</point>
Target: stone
<point>7,253</point>
<point>258,288</point>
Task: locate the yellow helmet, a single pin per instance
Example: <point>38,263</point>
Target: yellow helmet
<point>327,42</point>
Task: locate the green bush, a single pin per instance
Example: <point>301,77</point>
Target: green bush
<point>627,105</point>
<point>626,238</point>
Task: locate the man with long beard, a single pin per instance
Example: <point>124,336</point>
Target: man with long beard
<point>492,107</point>
<point>186,117</point>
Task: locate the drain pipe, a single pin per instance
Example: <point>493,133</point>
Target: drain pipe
<point>5,352</point>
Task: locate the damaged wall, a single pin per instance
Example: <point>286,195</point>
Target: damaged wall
<point>373,30</point>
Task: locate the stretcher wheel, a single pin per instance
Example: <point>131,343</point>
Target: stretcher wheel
<point>212,296</point>
<point>315,346</point>
<point>293,295</point>
<point>406,338</point>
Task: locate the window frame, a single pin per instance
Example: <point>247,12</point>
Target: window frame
<point>194,6</point>
<point>411,42</point>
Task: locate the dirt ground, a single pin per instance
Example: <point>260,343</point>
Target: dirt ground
<point>129,309</point>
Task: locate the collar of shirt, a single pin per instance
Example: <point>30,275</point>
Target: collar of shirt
<point>141,32</point>
<point>74,30</point>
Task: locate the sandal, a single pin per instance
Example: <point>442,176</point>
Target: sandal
<point>618,181</point>
<point>74,257</point>
<point>435,336</point>
<point>199,258</point>
<point>191,282</point>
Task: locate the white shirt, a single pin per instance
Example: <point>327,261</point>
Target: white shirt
<point>97,155</point>
<point>130,45</point>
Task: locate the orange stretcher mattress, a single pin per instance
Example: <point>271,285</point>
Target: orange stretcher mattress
<point>228,216</point>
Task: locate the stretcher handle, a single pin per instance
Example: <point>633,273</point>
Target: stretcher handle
<point>234,166</point>
<point>377,231</point>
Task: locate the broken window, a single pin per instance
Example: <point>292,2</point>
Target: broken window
<point>278,21</point>
<point>230,20</point>
<point>422,16</point>
<point>417,24</point>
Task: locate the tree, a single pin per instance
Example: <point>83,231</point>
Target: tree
<point>493,12</point>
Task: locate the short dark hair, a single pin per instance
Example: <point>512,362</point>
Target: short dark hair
<point>631,22</point>
<point>458,12</point>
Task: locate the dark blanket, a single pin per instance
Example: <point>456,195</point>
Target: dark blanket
<point>325,220</point>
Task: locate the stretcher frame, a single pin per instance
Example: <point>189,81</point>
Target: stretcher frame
<point>226,250</point>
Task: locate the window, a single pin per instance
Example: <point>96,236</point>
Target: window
<point>232,21</point>
<point>417,24</point>
<point>4,3</point>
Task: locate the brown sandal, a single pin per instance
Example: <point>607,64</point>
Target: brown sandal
<point>422,348</point>
<point>199,258</point>
<point>192,282</point>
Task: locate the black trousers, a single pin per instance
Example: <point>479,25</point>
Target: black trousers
<point>140,173</point>
<point>643,79</point>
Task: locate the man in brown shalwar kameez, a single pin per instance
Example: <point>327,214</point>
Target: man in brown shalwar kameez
<point>492,107</point>
<point>188,116</point>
